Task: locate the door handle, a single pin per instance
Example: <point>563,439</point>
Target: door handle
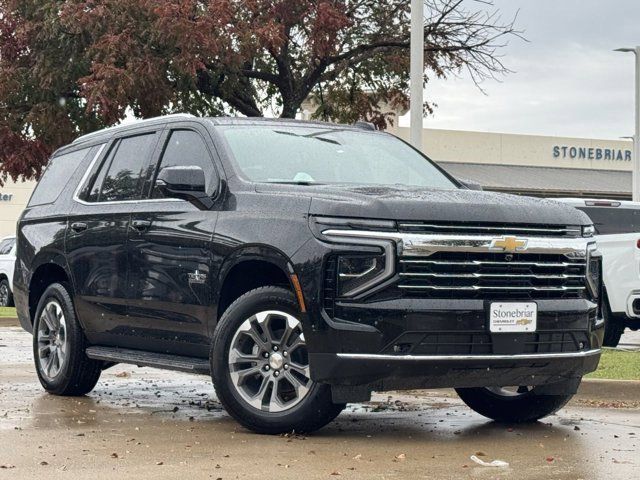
<point>78,227</point>
<point>140,225</point>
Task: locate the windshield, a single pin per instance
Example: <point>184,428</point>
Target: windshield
<point>310,155</point>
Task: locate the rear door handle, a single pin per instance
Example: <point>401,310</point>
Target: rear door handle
<point>78,227</point>
<point>140,225</point>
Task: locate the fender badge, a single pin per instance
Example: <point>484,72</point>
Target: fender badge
<point>197,277</point>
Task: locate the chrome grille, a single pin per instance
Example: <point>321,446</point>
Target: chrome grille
<point>486,275</point>
<point>491,229</point>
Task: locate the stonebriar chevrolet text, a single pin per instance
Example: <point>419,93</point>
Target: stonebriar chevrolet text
<point>302,265</point>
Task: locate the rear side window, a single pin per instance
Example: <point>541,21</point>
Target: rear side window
<point>613,220</point>
<point>186,148</point>
<point>6,245</point>
<point>122,172</point>
<point>58,173</point>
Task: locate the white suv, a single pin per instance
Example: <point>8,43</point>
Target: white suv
<point>7,262</point>
<point>617,226</point>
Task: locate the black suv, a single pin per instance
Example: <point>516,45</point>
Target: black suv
<point>302,265</point>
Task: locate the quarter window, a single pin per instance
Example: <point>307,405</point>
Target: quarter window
<point>57,175</point>
<point>186,148</point>
<point>122,172</point>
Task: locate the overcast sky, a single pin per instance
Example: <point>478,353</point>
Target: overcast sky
<point>567,80</point>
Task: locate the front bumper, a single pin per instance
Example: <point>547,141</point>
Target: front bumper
<point>389,372</point>
<point>386,338</point>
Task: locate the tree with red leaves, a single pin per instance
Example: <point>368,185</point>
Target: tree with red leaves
<point>68,67</point>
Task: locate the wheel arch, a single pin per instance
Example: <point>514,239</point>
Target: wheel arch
<point>49,271</point>
<point>253,267</point>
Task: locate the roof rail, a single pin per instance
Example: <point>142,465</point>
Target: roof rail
<point>365,125</point>
<point>602,203</point>
<point>135,123</point>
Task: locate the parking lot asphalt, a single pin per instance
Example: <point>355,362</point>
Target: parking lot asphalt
<point>145,423</point>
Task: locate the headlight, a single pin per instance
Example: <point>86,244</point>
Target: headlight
<point>594,273</point>
<point>356,273</point>
<point>588,231</point>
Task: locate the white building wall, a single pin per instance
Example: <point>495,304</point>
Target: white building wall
<point>527,150</point>
<point>13,199</point>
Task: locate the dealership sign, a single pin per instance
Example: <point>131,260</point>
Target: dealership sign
<point>5,197</point>
<point>591,153</point>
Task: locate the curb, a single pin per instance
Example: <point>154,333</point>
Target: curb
<point>609,390</point>
<point>9,322</point>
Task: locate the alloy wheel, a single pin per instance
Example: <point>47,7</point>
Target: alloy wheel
<point>514,391</point>
<point>52,340</point>
<point>268,361</point>
<point>4,295</point>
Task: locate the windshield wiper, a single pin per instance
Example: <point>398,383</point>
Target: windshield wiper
<point>295,182</point>
<point>313,136</point>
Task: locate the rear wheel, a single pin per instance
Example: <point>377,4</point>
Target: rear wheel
<point>6,298</point>
<point>260,366</point>
<point>512,404</point>
<point>59,346</point>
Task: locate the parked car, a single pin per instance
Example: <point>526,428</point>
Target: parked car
<point>617,225</point>
<point>7,261</point>
<point>302,265</point>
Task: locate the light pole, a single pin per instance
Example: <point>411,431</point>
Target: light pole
<point>635,183</point>
<point>417,72</point>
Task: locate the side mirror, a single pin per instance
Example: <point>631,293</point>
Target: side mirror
<point>185,183</point>
<point>470,184</point>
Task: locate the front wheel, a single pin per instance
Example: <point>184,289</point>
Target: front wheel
<point>260,366</point>
<point>512,404</point>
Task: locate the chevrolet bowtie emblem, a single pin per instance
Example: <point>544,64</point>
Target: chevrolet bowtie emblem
<point>508,244</point>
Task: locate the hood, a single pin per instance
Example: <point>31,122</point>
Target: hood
<point>392,203</point>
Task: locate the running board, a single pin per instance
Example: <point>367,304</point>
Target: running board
<point>150,359</point>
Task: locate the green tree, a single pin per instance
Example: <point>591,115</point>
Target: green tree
<point>68,67</point>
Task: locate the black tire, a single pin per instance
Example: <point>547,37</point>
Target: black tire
<point>6,297</point>
<point>613,327</point>
<point>78,374</point>
<point>316,408</point>
<point>521,408</point>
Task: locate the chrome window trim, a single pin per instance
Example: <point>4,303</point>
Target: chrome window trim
<point>85,177</point>
<point>417,244</point>
<point>466,358</point>
<point>131,126</point>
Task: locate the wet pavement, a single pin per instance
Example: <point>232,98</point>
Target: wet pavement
<point>146,423</point>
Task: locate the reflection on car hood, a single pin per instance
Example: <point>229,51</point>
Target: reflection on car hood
<point>408,203</point>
